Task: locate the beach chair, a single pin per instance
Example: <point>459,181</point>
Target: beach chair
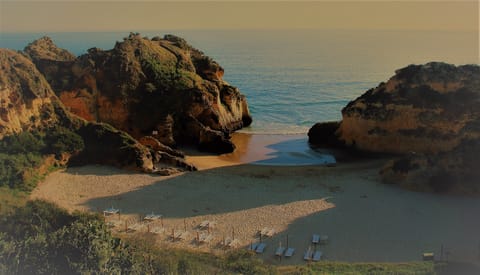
<point>204,224</point>
<point>264,231</point>
<point>289,252</point>
<point>233,243</point>
<point>110,211</point>
<point>317,255</point>
<point>307,256</point>
<point>134,227</point>
<point>260,248</point>
<point>315,238</point>
<point>279,251</point>
<point>270,232</point>
<point>428,256</point>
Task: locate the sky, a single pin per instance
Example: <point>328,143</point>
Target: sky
<point>110,15</point>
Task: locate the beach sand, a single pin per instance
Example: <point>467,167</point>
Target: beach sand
<point>256,188</point>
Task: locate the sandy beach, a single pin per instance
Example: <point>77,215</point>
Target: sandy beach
<point>259,187</point>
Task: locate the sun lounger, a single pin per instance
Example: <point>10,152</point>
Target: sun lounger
<point>204,224</point>
<point>135,227</point>
<point>428,256</point>
<point>307,256</point>
<point>270,233</point>
<point>110,211</point>
<point>234,243</point>
<point>260,248</point>
<point>152,217</point>
<point>317,255</point>
<point>264,231</point>
<point>315,238</point>
<point>279,251</point>
<point>289,252</point>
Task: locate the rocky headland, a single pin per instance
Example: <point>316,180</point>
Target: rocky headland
<point>124,107</point>
<point>159,87</point>
<point>429,114</point>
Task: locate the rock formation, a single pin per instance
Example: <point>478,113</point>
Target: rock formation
<point>430,115</point>
<point>27,103</point>
<point>422,108</point>
<point>38,132</point>
<point>156,87</point>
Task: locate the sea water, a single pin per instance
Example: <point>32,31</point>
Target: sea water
<point>295,78</point>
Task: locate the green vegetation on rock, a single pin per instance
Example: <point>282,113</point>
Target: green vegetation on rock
<point>21,154</point>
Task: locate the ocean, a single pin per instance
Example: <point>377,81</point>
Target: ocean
<point>295,78</point>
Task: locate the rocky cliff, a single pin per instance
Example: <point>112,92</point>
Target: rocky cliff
<point>422,108</point>
<point>430,114</point>
<point>160,87</point>
<point>28,104</point>
<point>34,125</point>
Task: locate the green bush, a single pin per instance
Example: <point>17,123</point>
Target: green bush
<point>22,153</point>
<point>14,166</point>
<point>62,140</point>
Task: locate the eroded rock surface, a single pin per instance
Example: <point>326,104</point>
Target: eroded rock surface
<point>160,87</point>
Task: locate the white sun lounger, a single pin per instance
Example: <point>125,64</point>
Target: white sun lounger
<point>260,248</point>
<point>264,231</point>
<point>233,243</point>
<point>135,227</point>
<point>289,252</point>
<point>315,238</point>
<point>270,233</point>
<point>110,211</point>
<point>317,255</point>
<point>204,224</point>
<point>152,217</point>
<point>279,251</point>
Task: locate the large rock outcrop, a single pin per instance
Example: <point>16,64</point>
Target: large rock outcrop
<point>422,108</point>
<point>159,87</point>
<point>28,104</point>
<point>36,128</point>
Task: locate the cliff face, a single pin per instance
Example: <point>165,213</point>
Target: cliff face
<point>430,114</point>
<point>427,108</point>
<point>24,95</point>
<point>28,105</point>
<point>159,87</point>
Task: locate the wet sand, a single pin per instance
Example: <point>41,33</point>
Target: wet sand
<point>364,219</point>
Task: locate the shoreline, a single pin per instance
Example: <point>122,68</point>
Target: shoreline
<point>276,150</point>
<point>365,220</point>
